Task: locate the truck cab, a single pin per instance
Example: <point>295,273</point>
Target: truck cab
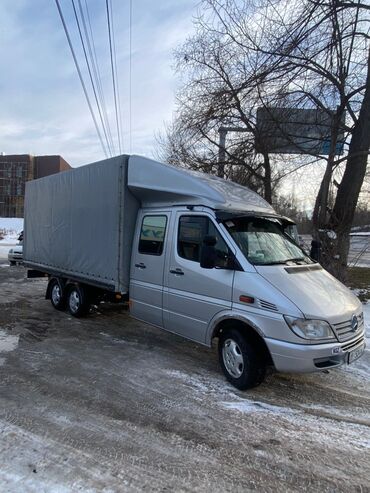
<point>264,299</point>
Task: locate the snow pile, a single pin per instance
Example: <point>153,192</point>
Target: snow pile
<point>367,322</point>
<point>250,406</point>
<point>10,227</point>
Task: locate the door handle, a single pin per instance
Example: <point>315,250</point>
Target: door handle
<point>140,266</point>
<point>179,272</point>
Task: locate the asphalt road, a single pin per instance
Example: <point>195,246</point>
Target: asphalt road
<point>107,404</point>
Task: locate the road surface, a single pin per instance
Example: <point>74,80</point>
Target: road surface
<point>108,404</point>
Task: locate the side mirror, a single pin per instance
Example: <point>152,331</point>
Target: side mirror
<point>208,252</point>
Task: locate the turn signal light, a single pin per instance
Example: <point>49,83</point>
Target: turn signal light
<point>246,299</point>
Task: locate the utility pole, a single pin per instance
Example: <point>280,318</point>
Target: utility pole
<point>222,147</point>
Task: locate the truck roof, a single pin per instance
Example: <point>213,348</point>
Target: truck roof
<point>159,184</point>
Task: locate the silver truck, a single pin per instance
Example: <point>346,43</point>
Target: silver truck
<point>195,255</point>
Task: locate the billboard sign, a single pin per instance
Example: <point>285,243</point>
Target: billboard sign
<point>296,131</point>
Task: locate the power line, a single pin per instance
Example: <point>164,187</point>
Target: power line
<point>130,76</point>
<point>80,76</point>
<point>95,66</point>
<point>116,73</point>
<point>113,75</point>
<point>91,78</point>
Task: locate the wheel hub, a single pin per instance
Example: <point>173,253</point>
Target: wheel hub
<point>56,294</point>
<point>74,301</point>
<point>232,358</point>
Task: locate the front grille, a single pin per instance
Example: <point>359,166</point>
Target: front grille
<point>353,344</point>
<point>344,330</point>
<point>267,305</point>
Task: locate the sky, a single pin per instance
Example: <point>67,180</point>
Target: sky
<point>43,108</point>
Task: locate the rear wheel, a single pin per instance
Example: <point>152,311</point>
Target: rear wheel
<point>57,296</point>
<point>241,358</point>
<point>77,301</point>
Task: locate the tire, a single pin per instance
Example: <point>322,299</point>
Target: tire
<point>57,295</point>
<point>241,358</point>
<point>77,301</point>
<point>12,263</point>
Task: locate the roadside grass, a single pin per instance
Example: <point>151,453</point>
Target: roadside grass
<point>359,279</point>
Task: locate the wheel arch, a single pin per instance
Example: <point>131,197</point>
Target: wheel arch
<point>247,327</point>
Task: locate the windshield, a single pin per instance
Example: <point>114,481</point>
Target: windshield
<point>263,241</point>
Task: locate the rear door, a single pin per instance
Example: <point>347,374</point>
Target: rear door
<point>194,295</point>
<point>147,266</point>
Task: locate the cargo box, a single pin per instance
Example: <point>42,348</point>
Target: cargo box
<point>80,223</point>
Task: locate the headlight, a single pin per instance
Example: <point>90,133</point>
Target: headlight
<point>310,329</point>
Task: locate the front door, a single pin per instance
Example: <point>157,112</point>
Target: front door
<point>147,266</point>
<point>194,295</point>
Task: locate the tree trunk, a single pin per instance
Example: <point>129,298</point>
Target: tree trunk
<point>267,178</point>
<point>350,186</point>
<point>320,212</point>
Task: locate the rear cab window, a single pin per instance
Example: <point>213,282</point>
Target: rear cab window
<point>152,235</point>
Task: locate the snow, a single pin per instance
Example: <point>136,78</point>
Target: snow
<point>328,428</point>
<point>82,400</point>
<point>367,323</point>
<point>249,406</point>
<point>12,226</point>
<point>8,342</point>
<point>4,249</point>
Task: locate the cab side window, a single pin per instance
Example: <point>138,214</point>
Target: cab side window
<point>192,230</point>
<point>153,229</point>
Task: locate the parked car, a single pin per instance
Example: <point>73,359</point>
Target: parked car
<point>15,254</point>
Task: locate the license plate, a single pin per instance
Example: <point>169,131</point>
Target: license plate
<point>355,354</point>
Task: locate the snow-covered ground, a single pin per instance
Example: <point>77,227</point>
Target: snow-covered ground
<point>367,322</point>
<point>10,227</point>
<point>109,404</point>
<point>4,249</point>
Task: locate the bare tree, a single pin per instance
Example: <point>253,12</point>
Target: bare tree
<point>308,54</point>
<point>323,58</point>
<point>340,60</point>
<point>222,86</point>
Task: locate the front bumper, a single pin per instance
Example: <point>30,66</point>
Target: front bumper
<point>288,357</point>
<point>15,257</point>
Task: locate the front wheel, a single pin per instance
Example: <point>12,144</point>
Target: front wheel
<point>241,359</point>
<point>77,301</point>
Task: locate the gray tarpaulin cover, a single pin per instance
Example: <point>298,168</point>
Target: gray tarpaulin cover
<point>81,222</point>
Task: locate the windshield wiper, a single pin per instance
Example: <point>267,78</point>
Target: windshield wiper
<point>281,262</point>
<point>275,262</point>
